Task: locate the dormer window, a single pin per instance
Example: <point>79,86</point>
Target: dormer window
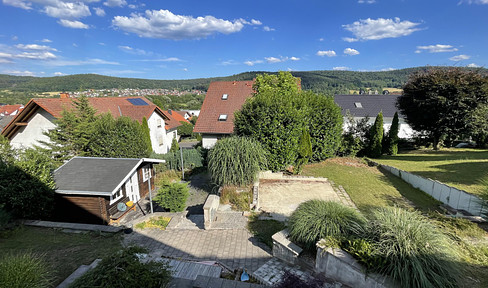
<point>223,117</point>
<point>358,105</point>
<point>225,96</point>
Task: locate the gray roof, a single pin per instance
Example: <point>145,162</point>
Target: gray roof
<point>368,105</point>
<point>4,120</point>
<point>95,176</point>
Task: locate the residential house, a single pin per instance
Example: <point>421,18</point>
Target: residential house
<point>185,114</point>
<point>10,110</point>
<point>360,106</point>
<point>101,190</point>
<point>216,118</point>
<point>39,115</point>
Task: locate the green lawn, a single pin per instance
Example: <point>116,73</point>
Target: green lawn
<point>370,187</point>
<point>461,168</point>
<point>64,252</point>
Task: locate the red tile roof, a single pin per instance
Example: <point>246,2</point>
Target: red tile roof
<point>9,109</point>
<point>214,106</point>
<point>117,106</point>
<point>178,115</point>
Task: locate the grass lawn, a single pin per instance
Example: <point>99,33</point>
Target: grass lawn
<point>461,168</point>
<point>64,252</point>
<point>369,188</point>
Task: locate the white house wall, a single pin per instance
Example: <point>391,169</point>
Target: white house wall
<point>404,131</point>
<point>209,140</point>
<point>32,134</point>
<point>159,141</point>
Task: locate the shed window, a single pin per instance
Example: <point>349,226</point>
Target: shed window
<point>116,196</point>
<point>146,173</point>
<point>358,105</point>
<point>223,117</point>
<point>225,96</point>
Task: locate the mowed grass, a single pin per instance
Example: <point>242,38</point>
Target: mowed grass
<point>369,187</point>
<point>63,252</point>
<point>460,168</point>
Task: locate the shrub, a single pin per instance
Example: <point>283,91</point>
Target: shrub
<point>416,253</point>
<point>24,270</point>
<point>316,219</point>
<point>172,196</point>
<point>239,200</point>
<point>236,161</point>
<point>376,137</point>
<point>192,158</point>
<point>264,229</point>
<point>124,269</point>
<point>392,140</point>
<point>5,217</point>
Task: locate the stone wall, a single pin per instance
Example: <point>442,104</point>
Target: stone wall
<point>284,249</point>
<point>210,210</point>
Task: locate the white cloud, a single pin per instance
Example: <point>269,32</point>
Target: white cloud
<point>294,59</point>
<point>135,51</point>
<point>19,73</point>
<point>366,1</point>
<point>35,47</point>
<point>351,52</point>
<point>340,68</point>
<point>36,55</point>
<point>169,59</point>
<point>268,29</point>
<point>67,10</point>
<point>102,44</point>
<point>46,40</point>
<point>476,1</point>
<point>328,53</point>
<point>18,3</point>
<point>376,29</point>
<point>473,65</point>
<point>460,57</point>
<point>255,22</point>
<point>5,55</point>
<point>350,40</point>
<point>438,48</point>
<point>185,69</point>
<point>321,39</point>
<point>273,59</point>
<point>252,63</point>
<point>99,11</point>
<point>93,61</point>
<point>59,74</point>
<point>73,24</point>
<point>15,38</point>
<point>115,3</point>
<point>166,25</point>
<point>5,61</point>
<point>228,62</point>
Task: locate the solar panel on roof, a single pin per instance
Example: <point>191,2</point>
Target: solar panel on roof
<point>137,102</point>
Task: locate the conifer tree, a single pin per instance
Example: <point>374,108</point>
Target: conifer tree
<point>147,132</point>
<point>376,137</point>
<point>393,136</point>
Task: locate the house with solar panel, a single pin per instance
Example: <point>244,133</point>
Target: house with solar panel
<point>39,115</point>
<point>360,106</point>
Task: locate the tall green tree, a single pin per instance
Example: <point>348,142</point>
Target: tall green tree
<point>304,152</point>
<point>392,137</point>
<point>376,137</point>
<point>147,132</point>
<point>441,101</point>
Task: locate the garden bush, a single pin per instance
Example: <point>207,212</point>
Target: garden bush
<point>236,161</point>
<point>192,158</point>
<point>416,253</point>
<point>172,196</point>
<point>317,219</point>
<point>24,270</point>
<point>239,200</point>
<point>124,269</point>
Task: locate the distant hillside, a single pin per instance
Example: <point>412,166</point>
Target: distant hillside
<point>328,82</point>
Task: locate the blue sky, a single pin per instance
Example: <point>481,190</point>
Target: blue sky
<point>191,39</point>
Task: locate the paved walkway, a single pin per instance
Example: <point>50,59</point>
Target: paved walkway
<point>232,248</point>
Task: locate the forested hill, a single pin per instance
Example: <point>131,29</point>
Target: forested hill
<point>328,82</point>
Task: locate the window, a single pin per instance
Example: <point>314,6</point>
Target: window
<point>161,140</point>
<point>223,117</point>
<point>159,122</point>
<point>225,96</point>
<point>116,196</point>
<point>146,173</point>
<point>358,105</point>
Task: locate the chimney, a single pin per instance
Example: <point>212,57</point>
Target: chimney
<point>170,112</point>
<point>64,95</point>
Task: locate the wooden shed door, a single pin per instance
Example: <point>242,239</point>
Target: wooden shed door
<point>133,188</point>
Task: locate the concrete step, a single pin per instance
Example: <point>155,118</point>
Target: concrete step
<point>78,273</point>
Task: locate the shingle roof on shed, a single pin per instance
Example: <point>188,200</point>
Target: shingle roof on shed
<point>214,105</point>
<point>367,105</point>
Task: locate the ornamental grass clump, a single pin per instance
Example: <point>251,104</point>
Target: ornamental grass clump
<point>24,270</point>
<point>416,253</point>
<point>236,161</point>
<point>317,219</point>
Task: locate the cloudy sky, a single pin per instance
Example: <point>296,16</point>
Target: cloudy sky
<point>190,39</point>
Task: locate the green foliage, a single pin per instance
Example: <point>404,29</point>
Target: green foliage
<point>192,158</point>
<point>7,153</point>
<point>193,120</point>
<point>5,217</point>
<point>264,229</point>
<point>355,138</point>
<point>147,132</point>
<point>239,200</point>
<point>24,270</point>
<point>154,222</point>
<point>479,125</point>
<point>172,196</point>
<point>416,253</point>
<point>26,184</point>
<point>185,130</point>
<point>364,251</point>
<point>442,101</point>
<point>235,161</point>
<point>376,137</point>
<point>117,138</point>
<point>124,269</point>
<point>304,152</point>
<point>175,147</point>
<point>317,219</point>
<point>392,140</point>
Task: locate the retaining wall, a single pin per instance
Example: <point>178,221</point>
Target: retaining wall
<point>210,210</point>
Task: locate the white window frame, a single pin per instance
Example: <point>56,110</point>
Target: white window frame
<point>117,198</point>
<point>223,117</point>
<point>158,122</point>
<point>225,96</point>
<point>146,173</point>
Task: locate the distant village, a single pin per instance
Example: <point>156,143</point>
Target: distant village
<point>114,92</point>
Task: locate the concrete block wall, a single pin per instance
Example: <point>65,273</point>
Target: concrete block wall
<point>284,249</point>
<point>210,210</point>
